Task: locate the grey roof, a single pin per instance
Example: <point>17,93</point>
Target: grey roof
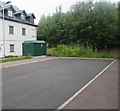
<point>3,4</point>
<point>19,21</point>
<point>15,8</point>
<point>7,6</point>
<point>16,11</point>
<point>20,12</point>
<point>30,14</point>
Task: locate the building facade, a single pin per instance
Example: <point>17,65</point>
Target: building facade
<point>18,27</point>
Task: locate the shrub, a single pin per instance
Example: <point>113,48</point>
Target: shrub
<point>76,50</point>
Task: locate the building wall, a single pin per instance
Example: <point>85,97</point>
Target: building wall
<point>17,38</point>
<point>1,38</point>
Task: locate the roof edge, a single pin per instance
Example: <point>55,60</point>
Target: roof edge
<point>19,21</point>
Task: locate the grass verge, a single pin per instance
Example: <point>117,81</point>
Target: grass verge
<point>78,51</point>
<point>15,59</point>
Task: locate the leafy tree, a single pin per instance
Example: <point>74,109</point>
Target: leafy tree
<point>94,24</point>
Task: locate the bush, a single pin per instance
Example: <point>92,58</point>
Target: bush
<point>77,50</point>
<point>10,56</point>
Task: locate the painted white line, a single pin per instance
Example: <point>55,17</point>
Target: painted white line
<point>77,93</point>
<point>87,58</point>
<point>27,63</point>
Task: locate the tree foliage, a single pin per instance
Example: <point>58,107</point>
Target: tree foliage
<point>85,23</point>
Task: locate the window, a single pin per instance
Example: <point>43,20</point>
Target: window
<point>22,17</point>
<point>11,30</point>
<point>10,13</point>
<point>33,33</point>
<point>23,31</point>
<point>11,47</point>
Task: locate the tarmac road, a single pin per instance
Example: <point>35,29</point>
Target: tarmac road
<point>46,84</point>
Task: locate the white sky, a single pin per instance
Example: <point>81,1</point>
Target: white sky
<point>40,7</point>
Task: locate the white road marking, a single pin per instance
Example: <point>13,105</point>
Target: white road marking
<point>77,93</point>
<point>87,58</point>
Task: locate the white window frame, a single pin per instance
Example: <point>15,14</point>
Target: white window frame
<point>22,17</point>
<point>24,32</point>
<point>10,13</point>
<point>12,48</point>
<point>11,29</point>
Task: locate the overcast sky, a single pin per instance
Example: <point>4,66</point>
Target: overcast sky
<point>40,7</point>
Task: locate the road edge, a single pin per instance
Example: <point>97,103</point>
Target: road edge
<point>82,58</point>
<point>28,62</point>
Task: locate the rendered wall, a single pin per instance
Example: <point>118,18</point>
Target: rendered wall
<point>17,39</point>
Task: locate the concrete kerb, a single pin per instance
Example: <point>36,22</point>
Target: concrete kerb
<point>44,58</point>
<point>35,57</point>
<point>82,58</point>
<point>34,60</point>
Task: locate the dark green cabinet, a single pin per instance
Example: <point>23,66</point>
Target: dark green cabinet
<point>34,48</point>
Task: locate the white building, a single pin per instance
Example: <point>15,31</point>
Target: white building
<point>18,27</point>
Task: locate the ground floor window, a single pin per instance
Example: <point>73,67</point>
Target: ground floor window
<point>11,47</point>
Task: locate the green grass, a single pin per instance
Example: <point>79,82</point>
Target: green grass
<point>16,59</point>
<point>78,51</point>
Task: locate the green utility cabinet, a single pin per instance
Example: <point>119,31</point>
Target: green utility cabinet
<point>34,48</point>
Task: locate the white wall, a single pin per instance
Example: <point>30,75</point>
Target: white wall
<point>1,38</point>
<point>17,39</point>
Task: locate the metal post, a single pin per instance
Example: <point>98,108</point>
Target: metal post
<point>4,28</point>
<point>3,34</point>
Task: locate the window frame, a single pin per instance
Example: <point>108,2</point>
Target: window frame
<point>23,17</point>
<point>24,32</point>
<point>11,29</point>
<point>10,13</point>
<point>12,48</point>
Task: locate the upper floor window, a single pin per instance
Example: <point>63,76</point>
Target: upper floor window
<point>11,30</point>
<point>10,13</point>
<point>22,17</point>
<point>23,31</point>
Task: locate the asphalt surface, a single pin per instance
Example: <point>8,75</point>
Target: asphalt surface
<point>46,84</point>
<point>101,94</point>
